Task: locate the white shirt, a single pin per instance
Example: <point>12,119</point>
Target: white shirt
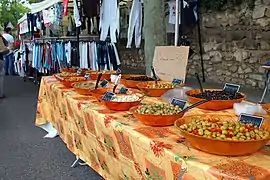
<point>8,38</point>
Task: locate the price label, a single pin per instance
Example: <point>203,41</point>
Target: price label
<point>250,119</point>
<point>179,102</point>
<point>118,71</point>
<point>104,83</point>
<point>231,88</point>
<point>79,71</point>
<point>86,76</point>
<point>123,90</point>
<point>177,81</point>
<point>108,96</point>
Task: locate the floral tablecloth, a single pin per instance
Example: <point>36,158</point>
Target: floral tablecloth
<point>117,146</point>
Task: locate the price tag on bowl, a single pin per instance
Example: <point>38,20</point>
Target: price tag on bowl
<point>79,71</point>
<point>104,83</point>
<point>108,96</point>
<point>177,81</point>
<point>179,102</point>
<point>123,90</point>
<point>231,88</point>
<point>86,76</point>
<point>250,119</point>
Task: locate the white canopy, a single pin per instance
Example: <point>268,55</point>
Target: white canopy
<point>37,7</point>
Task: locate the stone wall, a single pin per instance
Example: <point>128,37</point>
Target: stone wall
<point>236,43</point>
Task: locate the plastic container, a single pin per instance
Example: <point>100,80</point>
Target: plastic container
<point>240,108</point>
<point>179,93</point>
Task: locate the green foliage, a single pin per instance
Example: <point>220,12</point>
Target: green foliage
<point>11,11</point>
<point>218,5</point>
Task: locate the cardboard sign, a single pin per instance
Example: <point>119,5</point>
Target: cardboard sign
<point>108,96</point>
<point>123,90</point>
<point>231,88</point>
<point>177,81</point>
<point>179,102</point>
<point>250,119</point>
<point>171,61</point>
<point>86,76</point>
<point>104,83</point>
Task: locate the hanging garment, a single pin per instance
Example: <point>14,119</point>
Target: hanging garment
<point>46,18</point>
<point>172,15</point>
<point>90,8</point>
<point>76,14</point>
<point>109,20</point>
<point>68,52</point>
<point>65,4</point>
<point>135,23</point>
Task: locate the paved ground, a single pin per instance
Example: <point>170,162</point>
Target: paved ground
<point>24,154</point>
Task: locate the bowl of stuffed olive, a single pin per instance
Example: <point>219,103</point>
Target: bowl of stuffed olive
<point>84,88</point>
<point>158,114</point>
<point>223,134</point>
<point>153,89</point>
<point>220,100</point>
<point>131,80</point>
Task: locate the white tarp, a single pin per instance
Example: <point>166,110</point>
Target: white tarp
<point>37,7</point>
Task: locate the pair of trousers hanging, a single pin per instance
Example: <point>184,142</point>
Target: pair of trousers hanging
<point>135,24</point>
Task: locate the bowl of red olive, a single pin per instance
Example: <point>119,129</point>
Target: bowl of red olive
<point>131,80</point>
<point>223,134</point>
<point>220,100</point>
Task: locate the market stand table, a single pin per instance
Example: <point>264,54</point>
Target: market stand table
<point>117,146</point>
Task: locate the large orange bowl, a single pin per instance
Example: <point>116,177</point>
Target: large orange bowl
<point>152,92</point>
<point>120,106</point>
<point>266,107</point>
<point>131,83</point>
<point>214,105</point>
<point>67,82</point>
<point>98,92</point>
<point>156,120</point>
<point>221,147</point>
<point>105,75</point>
<point>81,90</point>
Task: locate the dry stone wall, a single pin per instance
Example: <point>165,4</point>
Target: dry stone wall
<point>236,43</point>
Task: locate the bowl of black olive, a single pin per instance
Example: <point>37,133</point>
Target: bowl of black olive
<point>220,100</point>
<point>131,80</point>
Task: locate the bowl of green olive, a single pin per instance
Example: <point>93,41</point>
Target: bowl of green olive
<point>223,134</point>
<point>158,114</point>
<point>153,89</point>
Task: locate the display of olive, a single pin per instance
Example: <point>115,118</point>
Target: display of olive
<point>140,78</point>
<point>160,85</point>
<point>217,95</point>
<point>158,109</point>
<point>224,130</point>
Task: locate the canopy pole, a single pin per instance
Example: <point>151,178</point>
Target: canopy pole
<point>176,34</point>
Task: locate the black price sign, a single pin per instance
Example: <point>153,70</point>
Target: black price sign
<point>231,88</point>
<point>108,96</point>
<point>250,119</point>
<point>86,76</point>
<point>104,83</point>
<point>79,71</point>
<point>179,102</point>
<point>177,81</point>
<point>123,90</point>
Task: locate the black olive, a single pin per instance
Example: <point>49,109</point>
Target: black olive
<point>217,95</point>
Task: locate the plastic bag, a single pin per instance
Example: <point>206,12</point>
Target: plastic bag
<point>179,93</point>
<point>240,108</point>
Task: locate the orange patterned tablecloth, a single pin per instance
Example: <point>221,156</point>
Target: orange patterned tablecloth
<point>117,146</point>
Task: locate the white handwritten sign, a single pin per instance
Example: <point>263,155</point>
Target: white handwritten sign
<point>170,62</point>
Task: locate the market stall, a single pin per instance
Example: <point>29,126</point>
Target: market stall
<point>117,145</point>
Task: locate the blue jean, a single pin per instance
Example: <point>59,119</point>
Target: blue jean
<point>9,63</point>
